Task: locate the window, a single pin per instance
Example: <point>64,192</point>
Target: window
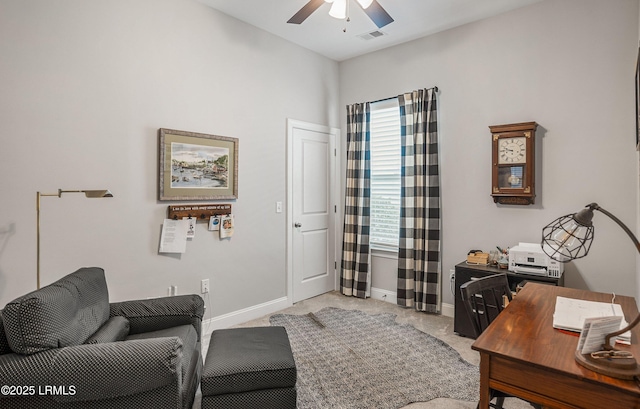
<point>385,175</point>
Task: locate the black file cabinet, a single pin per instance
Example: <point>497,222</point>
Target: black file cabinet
<point>465,272</point>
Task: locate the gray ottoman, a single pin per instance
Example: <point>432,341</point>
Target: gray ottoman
<point>249,368</point>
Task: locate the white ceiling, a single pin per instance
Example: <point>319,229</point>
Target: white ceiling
<point>324,34</point>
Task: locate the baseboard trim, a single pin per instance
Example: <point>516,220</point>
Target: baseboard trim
<point>240,316</point>
<point>270,307</point>
<point>389,296</point>
<point>448,310</point>
<point>384,295</point>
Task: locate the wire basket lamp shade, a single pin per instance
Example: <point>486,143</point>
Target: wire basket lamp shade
<point>569,237</point>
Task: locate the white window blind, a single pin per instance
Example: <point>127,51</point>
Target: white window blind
<point>385,174</point>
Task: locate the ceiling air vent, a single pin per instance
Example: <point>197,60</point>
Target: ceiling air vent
<point>372,35</point>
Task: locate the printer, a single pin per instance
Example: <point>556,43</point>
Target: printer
<point>528,258</point>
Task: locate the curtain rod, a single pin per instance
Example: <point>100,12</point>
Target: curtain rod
<point>387,99</point>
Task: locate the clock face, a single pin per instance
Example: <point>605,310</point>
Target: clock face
<point>512,150</point>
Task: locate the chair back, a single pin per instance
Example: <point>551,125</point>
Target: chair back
<point>484,299</point>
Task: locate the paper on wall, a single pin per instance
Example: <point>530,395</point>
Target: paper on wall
<point>191,230</point>
<point>173,238</point>
<point>226,226</point>
<point>214,223</point>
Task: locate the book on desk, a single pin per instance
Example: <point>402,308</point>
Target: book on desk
<point>570,314</point>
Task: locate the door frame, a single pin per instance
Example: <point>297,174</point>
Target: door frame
<point>335,132</point>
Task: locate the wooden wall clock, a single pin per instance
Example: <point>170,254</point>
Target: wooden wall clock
<point>513,163</point>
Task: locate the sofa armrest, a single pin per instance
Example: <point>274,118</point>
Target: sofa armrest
<point>160,313</point>
<point>93,372</point>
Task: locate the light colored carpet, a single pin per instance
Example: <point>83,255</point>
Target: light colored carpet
<point>437,325</point>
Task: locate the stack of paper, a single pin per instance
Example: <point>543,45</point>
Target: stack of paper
<point>595,331</point>
<point>570,314</point>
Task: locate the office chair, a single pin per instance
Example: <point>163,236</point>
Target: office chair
<point>484,298</point>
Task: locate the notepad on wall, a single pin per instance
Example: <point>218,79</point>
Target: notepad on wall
<point>570,314</point>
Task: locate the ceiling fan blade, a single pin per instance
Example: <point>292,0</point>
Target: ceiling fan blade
<point>305,11</point>
<point>378,14</point>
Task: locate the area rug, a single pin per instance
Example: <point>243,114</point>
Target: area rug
<point>349,359</point>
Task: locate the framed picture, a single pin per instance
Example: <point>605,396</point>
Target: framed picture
<point>638,102</point>
<point>195,166</point>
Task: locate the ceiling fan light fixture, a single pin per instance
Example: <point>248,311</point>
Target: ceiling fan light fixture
<point>339,9</point>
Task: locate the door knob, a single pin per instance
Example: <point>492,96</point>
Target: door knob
<point>297,225</point>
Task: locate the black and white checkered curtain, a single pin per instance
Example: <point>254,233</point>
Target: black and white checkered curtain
<point>419,248</point>
<point>355,273</point>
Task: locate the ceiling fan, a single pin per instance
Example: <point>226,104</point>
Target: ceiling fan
<point>339,9</point>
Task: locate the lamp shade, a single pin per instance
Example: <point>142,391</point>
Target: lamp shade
<point>97,193</point>
<point>569,237</point>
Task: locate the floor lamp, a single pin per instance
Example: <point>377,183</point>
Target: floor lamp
<point>87,193</point>
<point>568,238</point>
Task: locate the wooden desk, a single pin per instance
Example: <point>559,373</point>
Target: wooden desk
<point>523,355</point>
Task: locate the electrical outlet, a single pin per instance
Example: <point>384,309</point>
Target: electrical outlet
<point>204,286</point>
<point>452,275</point>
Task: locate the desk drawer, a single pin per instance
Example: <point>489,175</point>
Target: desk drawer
<point>555,389</point>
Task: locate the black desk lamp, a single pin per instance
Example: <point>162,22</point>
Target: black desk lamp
<point>568,238</point>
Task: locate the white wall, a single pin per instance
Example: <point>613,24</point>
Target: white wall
<point>84,87</point>
<point>638,198</point>
<point>568,65</point>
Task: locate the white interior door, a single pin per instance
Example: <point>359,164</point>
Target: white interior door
<point>312,216</point>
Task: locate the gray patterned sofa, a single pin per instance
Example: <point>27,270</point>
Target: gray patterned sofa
<point>65,346</point>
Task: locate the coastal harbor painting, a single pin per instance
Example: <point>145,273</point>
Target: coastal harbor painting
<point>195,166</point>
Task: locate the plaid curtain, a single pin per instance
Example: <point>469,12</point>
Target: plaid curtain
<point>355,274</point>
<point>419,248</point>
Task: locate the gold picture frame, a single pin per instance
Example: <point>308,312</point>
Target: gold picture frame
<point>197,166</point>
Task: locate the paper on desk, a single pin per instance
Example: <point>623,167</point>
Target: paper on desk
<point>174,236</point>
<point>594,332</point>
<point>570,314</point>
